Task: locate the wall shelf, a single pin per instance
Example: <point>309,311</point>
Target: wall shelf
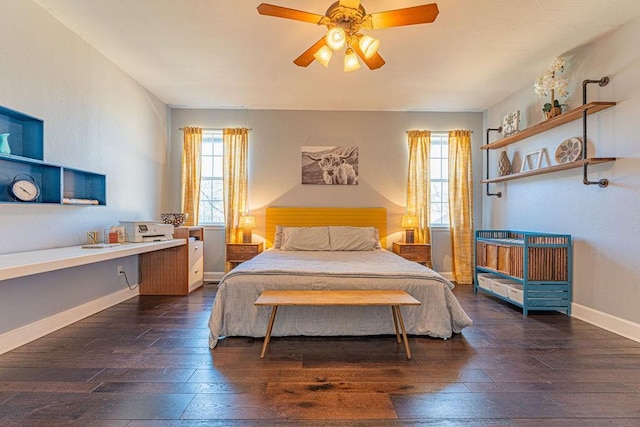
<point>58,184</point>
<point>569,116</point>
<point>550,169</point>
<point>579,113</point>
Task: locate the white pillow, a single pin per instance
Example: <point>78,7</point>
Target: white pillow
<point>277,239</point>
<point>347,238</point>
<point>305,239</point>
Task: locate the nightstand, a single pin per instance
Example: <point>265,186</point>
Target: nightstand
<point>241,252</point>
<point>418,252</point>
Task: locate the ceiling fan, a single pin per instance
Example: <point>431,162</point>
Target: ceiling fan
<point>344,20</point>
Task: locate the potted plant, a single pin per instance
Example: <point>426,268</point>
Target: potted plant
<point>550,83</point>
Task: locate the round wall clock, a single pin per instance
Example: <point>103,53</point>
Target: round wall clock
<point>24,188</point>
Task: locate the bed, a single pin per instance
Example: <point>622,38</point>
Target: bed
<point>329,248</point>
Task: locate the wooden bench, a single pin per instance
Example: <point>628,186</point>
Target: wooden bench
<point>392,298</point>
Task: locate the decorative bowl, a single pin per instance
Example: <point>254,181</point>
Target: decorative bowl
<point>175,219</point>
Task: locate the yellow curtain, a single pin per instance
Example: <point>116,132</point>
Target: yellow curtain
<point>236,147</point>
<point>461,205</point>
<point>418,183</point>
<point>191,161</point>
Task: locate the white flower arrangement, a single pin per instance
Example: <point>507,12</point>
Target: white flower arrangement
<point>550,82</point>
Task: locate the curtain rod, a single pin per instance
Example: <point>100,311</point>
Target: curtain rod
<point>440,131</point>
<point>212,128</point>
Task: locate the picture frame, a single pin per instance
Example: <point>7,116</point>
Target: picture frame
<point>329,165</point>
<point>511,123</point>
<point>534,160</point>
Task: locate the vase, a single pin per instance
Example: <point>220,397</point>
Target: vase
<point>555,111</point>
<point>504,165</point>
<point>4,144</point>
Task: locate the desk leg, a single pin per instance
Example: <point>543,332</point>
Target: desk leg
<point>395,322</point>
<point>267,336</point>
<point>404,332</point>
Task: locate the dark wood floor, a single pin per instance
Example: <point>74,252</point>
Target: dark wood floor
<point>146,363</point>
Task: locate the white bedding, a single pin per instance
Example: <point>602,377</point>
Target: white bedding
<point>234,313</point>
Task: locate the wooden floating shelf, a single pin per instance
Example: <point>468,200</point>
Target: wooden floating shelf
<point>569,116</point>
<point>550,169</point>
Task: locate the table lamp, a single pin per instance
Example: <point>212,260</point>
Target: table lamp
<point>247,223</point>
<point>410,222</point>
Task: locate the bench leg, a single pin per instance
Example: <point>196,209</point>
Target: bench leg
<point>404,332</point>
<point>267,336</point>
<point>395,323</point>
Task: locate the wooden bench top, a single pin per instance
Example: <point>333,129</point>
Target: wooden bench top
<point>336,297</point>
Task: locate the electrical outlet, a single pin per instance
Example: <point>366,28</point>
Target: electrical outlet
<point>120,270</point>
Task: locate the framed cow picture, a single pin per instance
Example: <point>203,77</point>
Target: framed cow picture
<point>326,165</point>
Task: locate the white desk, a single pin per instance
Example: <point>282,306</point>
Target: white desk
<point>41,261</point>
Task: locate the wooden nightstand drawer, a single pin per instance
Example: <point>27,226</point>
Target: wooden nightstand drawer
<point>239,252</point>
<point>418,252</point>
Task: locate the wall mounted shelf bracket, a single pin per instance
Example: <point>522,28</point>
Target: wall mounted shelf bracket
<point>499,193</point>
<point>602,182</point>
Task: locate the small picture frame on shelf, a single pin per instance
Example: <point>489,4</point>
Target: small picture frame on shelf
<point>511,123</point>
<point>534,160</point>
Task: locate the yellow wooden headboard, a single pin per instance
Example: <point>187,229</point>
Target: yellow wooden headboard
<point>314,217</point>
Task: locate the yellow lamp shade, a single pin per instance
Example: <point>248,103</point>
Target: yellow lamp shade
<point>323,55</point>
<point>409,221</point>
<point>336,38</point>
<point>247,222</point>
<point>369,46</point>
<point>351,62</point>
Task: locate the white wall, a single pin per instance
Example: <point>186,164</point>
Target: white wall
<point>604,223</point>
<point>96,118</point>
<point>274,162</point>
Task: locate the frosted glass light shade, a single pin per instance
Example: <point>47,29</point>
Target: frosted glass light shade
<point>369,46</point>
<point>336,38</point>
<point>323,55</point>
<point>351,62</point>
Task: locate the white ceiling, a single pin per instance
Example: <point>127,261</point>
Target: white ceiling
<point>223,54</point>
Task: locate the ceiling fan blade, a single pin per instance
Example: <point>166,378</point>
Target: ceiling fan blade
<point>409,16</point>
<point>373,63</point>
<point>285,12</point>
<point>353,4</point>
<point>307,56</point>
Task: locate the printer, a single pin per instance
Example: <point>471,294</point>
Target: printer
<point>147,231</point>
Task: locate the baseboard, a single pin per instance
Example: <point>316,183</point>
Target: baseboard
<point>606,321</point>
<point>213,276</point>
<point>25,334</point>
<point>447,275</point>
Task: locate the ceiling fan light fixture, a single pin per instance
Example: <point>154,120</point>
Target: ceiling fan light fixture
<point>323,55</point>
<point>369,46</point>
<point>336,38</point>
<point>351,62</point>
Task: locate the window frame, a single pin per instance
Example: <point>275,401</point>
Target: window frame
<point>215,135</point>
<point>441,139</point>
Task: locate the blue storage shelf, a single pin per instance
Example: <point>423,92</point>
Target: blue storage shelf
<point>540,262</point>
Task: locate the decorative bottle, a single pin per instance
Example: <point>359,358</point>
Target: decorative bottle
<point>4,144</point>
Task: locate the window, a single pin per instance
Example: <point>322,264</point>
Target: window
<point>439,175</point>
<point>211,185</point>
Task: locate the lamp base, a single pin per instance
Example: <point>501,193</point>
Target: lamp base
<point>246,235</point>
<point>408,237</point>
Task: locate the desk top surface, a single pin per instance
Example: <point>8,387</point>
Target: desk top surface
<point>40,261</point>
